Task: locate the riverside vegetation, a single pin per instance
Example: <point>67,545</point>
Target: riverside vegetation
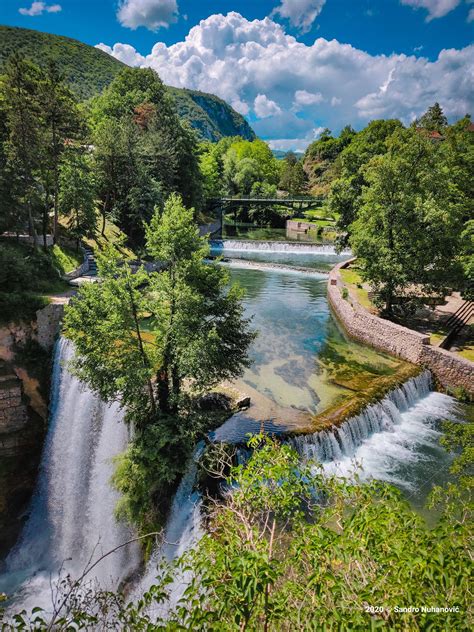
<point>288,547</point>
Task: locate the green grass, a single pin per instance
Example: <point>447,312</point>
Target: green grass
<point>66,259</point>
<point>27,277</point>
<point>354,282</point>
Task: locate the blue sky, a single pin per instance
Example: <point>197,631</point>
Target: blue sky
<point>291,66</point>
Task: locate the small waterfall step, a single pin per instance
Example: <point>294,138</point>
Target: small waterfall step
<point>228,245</point>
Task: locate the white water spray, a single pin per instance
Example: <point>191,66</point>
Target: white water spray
<point>71,521</point>
<point>395,440</point>
<point>234,245</point>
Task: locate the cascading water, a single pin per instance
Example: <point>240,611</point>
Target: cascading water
<point>183,530</point>
<point>230,245</point>
<point>71,520</point>
<point>395,440</point>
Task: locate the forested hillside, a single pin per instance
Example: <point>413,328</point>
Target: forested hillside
<point>88,71</point>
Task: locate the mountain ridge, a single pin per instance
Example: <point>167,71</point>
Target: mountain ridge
<point>89,70</point>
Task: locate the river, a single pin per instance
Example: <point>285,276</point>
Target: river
<point>301,363</point>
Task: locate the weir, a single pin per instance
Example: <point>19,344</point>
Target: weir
<point>229,245</point>
<point>395,440</point>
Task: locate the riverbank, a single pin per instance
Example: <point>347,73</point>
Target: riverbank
<point>452,373</point>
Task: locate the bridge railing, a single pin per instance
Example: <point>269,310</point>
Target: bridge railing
<point>264,198</point>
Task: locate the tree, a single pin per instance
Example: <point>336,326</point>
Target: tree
<point>196,336</point>
<point>346,190</point>
<point>152,144</point>
<point>407,233</point>
<point>293,178</point>
<point>199,335</point>
<point>76,200</point>
<point>434,119</point>
<point>24,142</point>
<point>62,123</point>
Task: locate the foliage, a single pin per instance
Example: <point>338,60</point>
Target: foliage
<point>88,71</point>
<point>408,228</point>
<point>143,152</point>
<point>290,548</point>
<point>293,178</point>
<point>76,200</point>
<point>346,189</point>
<point>197,337</point>
<point>320,156</point>
<point>26,274</point>
<point>434,119</point>
<point>235,166</point>
<point>146,473</point>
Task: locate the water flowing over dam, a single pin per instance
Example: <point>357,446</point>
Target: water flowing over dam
<point>71,521</point>
<point>395,440</point>
<point>230,245</point>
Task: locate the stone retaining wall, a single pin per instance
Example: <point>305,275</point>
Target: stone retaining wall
<point>48,324</point>
<point>452,371</point>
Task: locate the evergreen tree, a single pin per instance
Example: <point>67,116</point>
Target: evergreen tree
<point>434,119</point>
<point>62,123</point>
<point>23,145</point>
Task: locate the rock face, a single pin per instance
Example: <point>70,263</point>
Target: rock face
<point>21,434</point>
<point>24,386</point>
<point>211,117</point>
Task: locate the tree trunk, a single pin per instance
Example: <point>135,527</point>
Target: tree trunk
<point>142,351</point>
<point>104,206</point>
<point>164,390</point>
<point>31,226</point>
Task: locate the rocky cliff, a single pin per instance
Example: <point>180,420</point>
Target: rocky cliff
<point>24,386</point>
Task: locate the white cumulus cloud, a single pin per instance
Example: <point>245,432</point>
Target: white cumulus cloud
<point>303,97</point>
<point>38,8</point>
<point>435,8</point>
<point>256,64</point>
<point>300,13</point>
<point>152,14</point>
<point>263,106</point>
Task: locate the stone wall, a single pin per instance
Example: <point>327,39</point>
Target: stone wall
<point>451,371</point>
<point>48,322</point>
<point>13,414</point>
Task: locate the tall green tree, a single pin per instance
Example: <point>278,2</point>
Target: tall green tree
<point>345,195</point>
<point>153,145</point>
<point>61,123</point>
<point>293,177</point>
<point>407,232</point>
<point>199,335</point>
<point>77,195</point>
<point>23,144</point>
<point>434,119</point>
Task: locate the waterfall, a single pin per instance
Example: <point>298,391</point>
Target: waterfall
<point>71,520</point>
<point>183,529</point>
<point>394,440</point>
<point>231,245</point>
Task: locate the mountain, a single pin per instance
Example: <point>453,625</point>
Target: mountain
<point>89,70</point>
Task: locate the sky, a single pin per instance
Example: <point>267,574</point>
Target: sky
<point>291,67</point>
